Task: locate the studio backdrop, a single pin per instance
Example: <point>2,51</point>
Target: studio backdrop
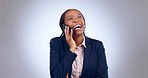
<point>26,27</point>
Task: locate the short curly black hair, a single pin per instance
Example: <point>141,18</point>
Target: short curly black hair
<point>61,22</point>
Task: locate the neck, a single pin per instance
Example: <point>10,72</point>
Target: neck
<point>78,39</point>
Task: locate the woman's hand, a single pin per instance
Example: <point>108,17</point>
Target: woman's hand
<point>69,39</point>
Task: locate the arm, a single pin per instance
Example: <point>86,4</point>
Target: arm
<point>59,66</point>
<point>102,71</point>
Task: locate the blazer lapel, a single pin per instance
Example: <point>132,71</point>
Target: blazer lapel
<point>87,51</point>
<point>65,45</point>
<point>65,49</point>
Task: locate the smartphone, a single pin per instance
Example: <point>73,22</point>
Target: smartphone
<point>67,26</point>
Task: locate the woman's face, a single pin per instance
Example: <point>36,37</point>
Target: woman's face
<point>75,20</point>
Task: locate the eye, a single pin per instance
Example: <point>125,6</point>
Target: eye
<point>69,18</point>
<point>79,16</point>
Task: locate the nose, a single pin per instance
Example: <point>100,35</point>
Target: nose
<point>75,21</point>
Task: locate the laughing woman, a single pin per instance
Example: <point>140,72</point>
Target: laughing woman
<point>73,54</point>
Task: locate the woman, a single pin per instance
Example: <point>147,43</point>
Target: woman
<point>73,55</point>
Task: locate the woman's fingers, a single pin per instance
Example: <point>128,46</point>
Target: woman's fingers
<point>67,28</point>
<point>68,32</point>
<point>69,39</point>
<point>65,31</point>
<point>71,33</point>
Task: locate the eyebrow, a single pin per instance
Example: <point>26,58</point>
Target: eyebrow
<point>72,15</point>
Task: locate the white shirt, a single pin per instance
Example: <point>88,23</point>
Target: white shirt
<point>77,65</point>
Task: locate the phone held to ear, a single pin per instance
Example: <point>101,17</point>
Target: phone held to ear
<point>64,26</point>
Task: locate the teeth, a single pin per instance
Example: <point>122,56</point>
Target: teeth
<point>77,26</point>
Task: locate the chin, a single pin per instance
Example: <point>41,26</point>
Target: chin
<point>78,33</point>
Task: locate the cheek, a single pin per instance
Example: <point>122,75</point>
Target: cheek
<point>82,21</point>
<point>83,27</point>
<point>69,23</point>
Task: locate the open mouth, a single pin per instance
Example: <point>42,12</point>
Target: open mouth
<point>77,27</point>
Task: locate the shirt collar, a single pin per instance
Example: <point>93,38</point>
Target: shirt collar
<point>83,42</point>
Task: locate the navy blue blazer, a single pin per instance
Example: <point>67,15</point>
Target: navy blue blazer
<point>61,59</point>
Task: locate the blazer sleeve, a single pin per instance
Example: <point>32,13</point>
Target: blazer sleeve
<point>102,71</point>
<point>59,65</point>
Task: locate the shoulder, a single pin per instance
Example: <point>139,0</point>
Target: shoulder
<point>96,45</point>
<point>94,41</point>
<point>58,40</point>
<point>55,40</point>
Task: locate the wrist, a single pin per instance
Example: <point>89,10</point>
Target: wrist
<point>73,49</point>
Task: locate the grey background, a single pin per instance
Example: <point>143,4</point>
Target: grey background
<point>26,27</point>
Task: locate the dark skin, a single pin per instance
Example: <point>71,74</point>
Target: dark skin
<point>73,18</point>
